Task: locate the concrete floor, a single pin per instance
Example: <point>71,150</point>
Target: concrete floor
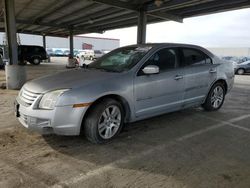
<point>190,148</point>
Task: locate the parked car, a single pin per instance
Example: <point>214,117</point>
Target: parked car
<point>231,58</point>
<point>87,54</point>
<point>32,54</point>
<point>243,68</point>
<point>50,52</point>
<point>26,53</point>
<point>66,53</point>
<point>76,52</point>
<point>98,54</point>
<point>126,85</point>
<point>58,53</point>
<point>243,59</point>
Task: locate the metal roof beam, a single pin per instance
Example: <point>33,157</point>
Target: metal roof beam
<point>59,26</point>
<point>26,5</point>
<point>117,4</point>
<point>55,9</point>
<point>209,6</point>
<point>166,16</point>
<point>27,22</point>
<point>170,5</point>
<point>76,12</point>
<point>127,6</point>
<point>91,16</point>
<point>113,18</point>
<point>127,23</point>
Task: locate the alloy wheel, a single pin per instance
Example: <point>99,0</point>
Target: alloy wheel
<point>217,97</point>
<point>109,122</point>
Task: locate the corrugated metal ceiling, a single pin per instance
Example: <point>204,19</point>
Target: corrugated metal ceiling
<point>57,17</point>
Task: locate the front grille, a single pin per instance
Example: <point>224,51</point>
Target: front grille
<point>28,97</point>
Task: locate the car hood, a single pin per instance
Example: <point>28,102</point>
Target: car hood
<point>68,79</point>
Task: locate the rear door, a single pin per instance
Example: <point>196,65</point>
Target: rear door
<point>200,73</point>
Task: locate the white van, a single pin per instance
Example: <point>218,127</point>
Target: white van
<point>87,54</point>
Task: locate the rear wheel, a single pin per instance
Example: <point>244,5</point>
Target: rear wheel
<point>104,121</point>
<point>240,71</point>
<point>215,98</point>
<point>35,61</point>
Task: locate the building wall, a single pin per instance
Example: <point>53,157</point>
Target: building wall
<point>59,42</point>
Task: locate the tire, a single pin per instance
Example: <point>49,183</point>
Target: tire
<point>240,71</point>
<point>35,61</point>
<point>100,129</point>
<point>215,101</point>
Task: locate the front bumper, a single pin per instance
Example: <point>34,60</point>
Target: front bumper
<point>64,120</point>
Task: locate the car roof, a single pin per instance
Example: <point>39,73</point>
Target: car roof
<point>155,45</point>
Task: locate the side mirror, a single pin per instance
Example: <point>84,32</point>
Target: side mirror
<point>151,69</point>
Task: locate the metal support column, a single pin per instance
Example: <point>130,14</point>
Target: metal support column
<point>142,27</point>
<point>71,43</point>
<point>15,74</point>
<point>44,41</point>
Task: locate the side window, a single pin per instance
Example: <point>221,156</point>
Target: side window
<point>208,60</point>
<point>165,59</point>
<point>193,57</point>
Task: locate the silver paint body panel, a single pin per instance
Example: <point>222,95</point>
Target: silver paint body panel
<point>146,95</point>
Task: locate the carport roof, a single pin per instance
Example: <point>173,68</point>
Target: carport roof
<point>58,17</point>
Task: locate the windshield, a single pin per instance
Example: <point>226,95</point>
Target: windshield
<point>121,59</point>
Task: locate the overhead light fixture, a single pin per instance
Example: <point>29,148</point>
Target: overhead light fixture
<point>158,3</point>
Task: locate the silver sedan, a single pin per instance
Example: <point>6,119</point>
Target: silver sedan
<point>126,85</point>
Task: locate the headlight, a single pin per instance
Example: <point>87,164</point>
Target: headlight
<point>49,99</point>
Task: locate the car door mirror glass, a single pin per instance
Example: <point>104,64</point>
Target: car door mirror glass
<point>151,69</point>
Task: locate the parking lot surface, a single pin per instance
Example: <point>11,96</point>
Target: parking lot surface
<point>190,148</point>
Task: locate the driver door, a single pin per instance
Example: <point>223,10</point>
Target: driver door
<point>162,92</point>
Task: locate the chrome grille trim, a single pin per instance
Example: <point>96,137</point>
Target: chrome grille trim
<point>28,97</point>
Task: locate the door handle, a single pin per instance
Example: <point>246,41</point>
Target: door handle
<point>212,70</point>
<point>178,77</point>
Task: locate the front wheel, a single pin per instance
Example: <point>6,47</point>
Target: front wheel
<point>104,121</point>
<point>215,98</point>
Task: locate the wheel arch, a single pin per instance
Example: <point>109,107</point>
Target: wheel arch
<point>221,80</point>
<point>116,97</point>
